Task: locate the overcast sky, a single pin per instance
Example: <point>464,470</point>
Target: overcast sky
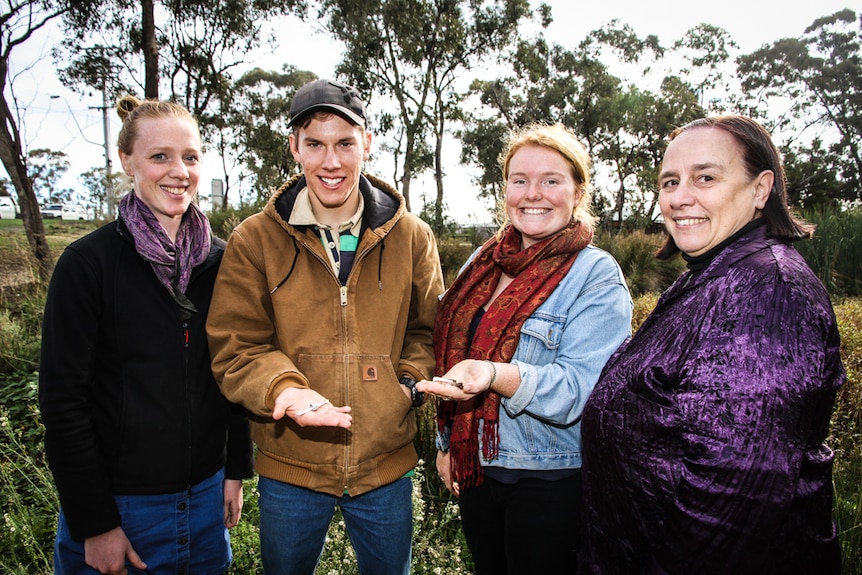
<point>73,124</point>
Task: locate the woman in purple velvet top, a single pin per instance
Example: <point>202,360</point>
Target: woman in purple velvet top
<point>704,438</point>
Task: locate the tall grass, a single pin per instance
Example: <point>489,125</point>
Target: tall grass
<point>846,437</point>
<point>835,251</point>
<point>27,497</point>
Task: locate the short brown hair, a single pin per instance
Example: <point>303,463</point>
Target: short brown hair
<point>758,155</point>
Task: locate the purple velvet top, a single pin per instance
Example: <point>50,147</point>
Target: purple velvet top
<point>703,439</point>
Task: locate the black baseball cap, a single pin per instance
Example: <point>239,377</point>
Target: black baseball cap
<point>328,95</point>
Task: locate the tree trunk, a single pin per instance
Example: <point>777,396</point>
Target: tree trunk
<point>409,162</point>
<point>151,51</point>
<point>438,175</point>
<point>13,160</point>
<point>405,186</point>
<point>10,155</point>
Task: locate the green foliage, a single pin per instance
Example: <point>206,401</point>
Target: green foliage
<point>414,52</point>
<point>198,45</point>
<point>255,126</point>
<point>624,127</point>
<point>20,331</point>
<point>45,168</point>
<point>813,176</point>
<point>635,252</point>
<point>97,189</point>
<point>225,220</point>
<point>835,251</point>
<point>819,75</point>
<point>245,536</point>
<point>453,253</point>
<point>27,495</point>
<point>846,437</point>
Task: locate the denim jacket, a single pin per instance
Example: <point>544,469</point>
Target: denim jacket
<point>563,347</point>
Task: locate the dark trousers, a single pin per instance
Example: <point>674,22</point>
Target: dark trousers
<point>532,526</point>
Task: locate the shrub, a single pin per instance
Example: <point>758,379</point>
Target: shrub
<point>223,221</point>
<point>643,305</point>
<point>635,253</point>
<point>835,251</point>
<point>21,329</point>
<point>453,253</point>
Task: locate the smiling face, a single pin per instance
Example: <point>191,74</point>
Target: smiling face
<point>706,195</point>
<point>165,167</point>
<point>331,152</point>
<point>541,193</point>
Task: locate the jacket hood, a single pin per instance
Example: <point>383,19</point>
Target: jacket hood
<point>383,204</point>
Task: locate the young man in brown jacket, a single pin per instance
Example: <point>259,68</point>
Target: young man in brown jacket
<point>320,325</point>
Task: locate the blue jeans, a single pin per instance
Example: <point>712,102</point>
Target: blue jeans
<point>172,533</point>
<point>294,522</point>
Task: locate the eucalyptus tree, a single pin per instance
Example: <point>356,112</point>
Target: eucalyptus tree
<point>93,184</point>
<point>20,20</point>
<point>813,176</point>
<point>546,83</point>
<point>816,81</point>
<point>45,168</point>
<point>413,52</point>
<point>181,50</point>
<point>254,128</point>
<point>634,145</point>
<point>622,126</point>
<point>186,46</point>
<point>706,51</point>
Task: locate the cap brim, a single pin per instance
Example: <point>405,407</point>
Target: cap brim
<point>345,113</point>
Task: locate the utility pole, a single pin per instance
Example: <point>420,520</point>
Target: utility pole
<point>106,129</point>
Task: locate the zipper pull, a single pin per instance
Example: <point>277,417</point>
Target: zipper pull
<point>343,296</point>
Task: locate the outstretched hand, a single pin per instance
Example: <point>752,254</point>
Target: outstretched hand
<point>466,379</point>
<point>310,409</point>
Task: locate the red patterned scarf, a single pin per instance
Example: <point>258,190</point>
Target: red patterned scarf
<point>537,271</point>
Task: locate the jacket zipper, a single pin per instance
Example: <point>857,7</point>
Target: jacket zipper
<point>187,379</point>
<point>343,302</point>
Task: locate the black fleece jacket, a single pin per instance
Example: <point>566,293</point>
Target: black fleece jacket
<point>126,390</point>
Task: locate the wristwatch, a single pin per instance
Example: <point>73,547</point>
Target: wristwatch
<point>416,396</point>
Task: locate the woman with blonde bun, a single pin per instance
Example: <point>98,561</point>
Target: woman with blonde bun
<point>147,455</point>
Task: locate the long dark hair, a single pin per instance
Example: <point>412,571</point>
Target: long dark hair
<point>758,154</point>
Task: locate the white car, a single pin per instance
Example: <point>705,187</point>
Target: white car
<point>52,211</point>
<point>8,208</point>
<point>73,212</point>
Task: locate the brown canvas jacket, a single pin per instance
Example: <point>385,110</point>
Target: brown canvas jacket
<point>281,318</point>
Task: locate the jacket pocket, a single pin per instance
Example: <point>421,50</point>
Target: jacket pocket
<point>541,335</point>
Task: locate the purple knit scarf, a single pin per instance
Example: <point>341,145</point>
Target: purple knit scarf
<point>171,261</point>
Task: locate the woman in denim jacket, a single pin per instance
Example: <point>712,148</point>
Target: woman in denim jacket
<point>520,340</point>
